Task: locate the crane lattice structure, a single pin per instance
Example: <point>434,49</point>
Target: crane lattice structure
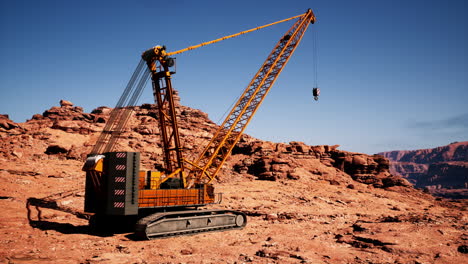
<point>205,168</point>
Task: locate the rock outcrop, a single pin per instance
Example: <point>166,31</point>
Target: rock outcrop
<point>7,124</point>
<point>66,132</point>
<point>65,103</point>
<point>279,161</point>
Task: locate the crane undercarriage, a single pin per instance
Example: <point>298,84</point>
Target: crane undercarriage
<point>188,222</point>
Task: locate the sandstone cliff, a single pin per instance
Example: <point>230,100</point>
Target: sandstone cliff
<point>439,168</point>
<point>457,151</point>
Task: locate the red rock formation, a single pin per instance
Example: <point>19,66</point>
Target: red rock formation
<point>453,174</point>
<point>6,123</point>
<point>278,161</point>
<point>437,168</point>
<point>457,151</point>
<point>67,132</point>
<point>65,103</point>
<point>314,204</point>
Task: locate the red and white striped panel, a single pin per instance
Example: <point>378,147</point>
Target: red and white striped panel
<point>119,179</point>
<point>119,204</point>
<point>120,167</point>
<point>121,155</point>
<point>119,192</point>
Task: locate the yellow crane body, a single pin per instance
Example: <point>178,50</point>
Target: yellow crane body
<point>115,185</point>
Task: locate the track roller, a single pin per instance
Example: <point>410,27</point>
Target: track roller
<point>188,222</point>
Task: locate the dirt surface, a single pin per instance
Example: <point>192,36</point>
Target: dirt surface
<point>305,204</point>
<point>291,221</point>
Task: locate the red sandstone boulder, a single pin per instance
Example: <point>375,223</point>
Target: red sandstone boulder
<point>65,103</point>
<point>103,110</point>
<point>6,123</point>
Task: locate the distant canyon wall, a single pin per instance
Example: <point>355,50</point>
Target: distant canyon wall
<point>441,167</point>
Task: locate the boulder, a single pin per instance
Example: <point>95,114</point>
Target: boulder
<point>64,113</point>
<point>359,161</point>
<point>147,129</point>
<point>37,117</point>
<point>56,149</point>
<point>103,110</point>
<point>392,180</point>
<point>67,126</point>
<point>65,103</point>
<point>6,123</point>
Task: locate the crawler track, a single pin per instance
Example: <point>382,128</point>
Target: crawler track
<point>188,222</point>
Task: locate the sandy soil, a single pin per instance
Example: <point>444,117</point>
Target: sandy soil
<point>289,221</point>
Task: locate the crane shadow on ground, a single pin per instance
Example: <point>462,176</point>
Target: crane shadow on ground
<point>133,237</point>
<point>40,222</point>
<point>64,228</point>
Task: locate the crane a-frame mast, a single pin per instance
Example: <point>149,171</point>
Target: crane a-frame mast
<point>158,63</point>
<point>205,168</point>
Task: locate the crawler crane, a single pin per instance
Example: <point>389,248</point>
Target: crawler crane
<point>165,202</point>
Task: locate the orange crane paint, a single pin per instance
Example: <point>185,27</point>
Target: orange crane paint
<point>165,203</point>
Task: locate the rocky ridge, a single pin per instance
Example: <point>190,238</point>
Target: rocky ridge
<point>306,204</point>
<point>66,132</point>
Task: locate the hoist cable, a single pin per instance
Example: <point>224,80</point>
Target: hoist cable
<point>127,110</point>
<point>117,113</point>
<point>315,57</point>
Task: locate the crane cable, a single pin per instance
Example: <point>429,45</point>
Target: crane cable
<point>315,89</point>
<point>121,112</point>
<point>315,59</point>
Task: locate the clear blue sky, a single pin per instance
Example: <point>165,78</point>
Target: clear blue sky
<point>393,74</point>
